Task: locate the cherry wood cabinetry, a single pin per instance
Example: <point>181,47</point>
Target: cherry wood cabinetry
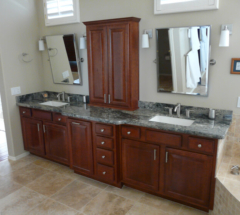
<point>113,62</point>
<point>80,133</point>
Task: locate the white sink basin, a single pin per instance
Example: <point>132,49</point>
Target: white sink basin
<point>171,120</point>
<point>54,103</point>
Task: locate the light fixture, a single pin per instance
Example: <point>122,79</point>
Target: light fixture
<point>82,42</point>
<point>41,45</point>
<point>226,30</point>
<point>145,38</point>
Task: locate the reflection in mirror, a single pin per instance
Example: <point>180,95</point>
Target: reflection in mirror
<point>183,60</point>
<point>64,59</point>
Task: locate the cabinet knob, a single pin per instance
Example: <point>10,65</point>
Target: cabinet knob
<point>59,119</point>
<point>102,143</point>
<point>24,112</point>
<point>103,156</point>
<point>199,145</point>
<point>102,130</point>
<point>104,173</point>
<point>129,132</point>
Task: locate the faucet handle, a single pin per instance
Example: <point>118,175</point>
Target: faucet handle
<point>188,113</point>
<point>170,110</point>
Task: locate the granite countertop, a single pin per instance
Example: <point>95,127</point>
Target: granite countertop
<point>202,126</point>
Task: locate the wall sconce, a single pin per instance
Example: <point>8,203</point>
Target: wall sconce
<point>226,30</point>
<point>82,42</point>
<point>145,38</point>
<point>41,45</point>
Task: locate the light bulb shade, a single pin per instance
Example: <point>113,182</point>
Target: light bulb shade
<point>41,45</point>
<point>145,41</point>
<point>82,43</point>
<point>224,39</point>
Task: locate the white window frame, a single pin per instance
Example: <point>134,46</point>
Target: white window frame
<point>64,20</point>
<point>187,6</point>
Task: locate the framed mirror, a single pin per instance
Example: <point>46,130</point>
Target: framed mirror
<point>183,60</point>
<point>64,59</point>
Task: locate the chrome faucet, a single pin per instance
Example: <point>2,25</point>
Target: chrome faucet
<point>59,96</point>
<point>178,109</point>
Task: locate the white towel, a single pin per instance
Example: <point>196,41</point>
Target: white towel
<point>193,35</point>
<point>192,69</point>
<point>204,49</point>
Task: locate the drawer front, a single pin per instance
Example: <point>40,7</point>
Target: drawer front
<point>131,132</point>
<point>105,157</point>
<point>43,115</point>
<point>104,129</point>
<point>201,145</point>
<point>104,142</point>
<point>163,138</point>
<point>105,173</point>
<point>58,118</point>
<point>25,112</point>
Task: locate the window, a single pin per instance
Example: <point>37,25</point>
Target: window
<point>178,6</point>
<point>60,12</point>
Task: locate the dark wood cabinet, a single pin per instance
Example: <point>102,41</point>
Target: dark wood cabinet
<point>82,146</point>
<point>56,143</point>
<point>113,62</point>
<point>140,164</point>
<point>33,136</point>
<point>188,176</point>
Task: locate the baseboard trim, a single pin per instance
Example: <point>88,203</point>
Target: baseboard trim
<point>19,156</point>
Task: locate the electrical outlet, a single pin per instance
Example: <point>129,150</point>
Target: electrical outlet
<point>238,104</point>
<point>16,90</point>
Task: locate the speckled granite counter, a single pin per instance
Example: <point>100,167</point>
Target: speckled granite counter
<point>202,126</point>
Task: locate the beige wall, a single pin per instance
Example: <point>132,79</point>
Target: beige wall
<point>18,33</point>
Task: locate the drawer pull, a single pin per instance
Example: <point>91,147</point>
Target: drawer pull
<point>24,112</point>
<point>129,132</point>
<point>102,143</point>
<point>59,119</point>
<point>103,156</point>
<point>199,145</point>
<point>102,130</point>
<point>104,173</point>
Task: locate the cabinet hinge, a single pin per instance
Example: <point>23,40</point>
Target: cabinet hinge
<point>166,157</point>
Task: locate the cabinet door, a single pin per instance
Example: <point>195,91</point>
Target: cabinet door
<point>56,143</point>
<point>82,146</point>
<point>33,136</point>
<point>140,164</point>
<point>118,65</point>
<point>97,63</point>
<point>188,176</point>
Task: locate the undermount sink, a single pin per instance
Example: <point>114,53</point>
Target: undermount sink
<point>171,120</point>
<point>54,103</point>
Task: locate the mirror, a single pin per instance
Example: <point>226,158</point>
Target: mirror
<point>183,60</point>
<point>64,59</point>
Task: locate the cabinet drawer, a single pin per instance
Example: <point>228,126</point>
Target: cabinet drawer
<point>25,112</point>
<point>132,132</point>
<point>201,145</point>
<point>104,129</point>
<point>43,115</point>
<point>163,138</point>
<point>58,118</point>
<point>104,142</point>
<point>105,173</point>
<point>105,156</point>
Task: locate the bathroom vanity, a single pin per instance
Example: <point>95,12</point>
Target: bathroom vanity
<point>124,147</point>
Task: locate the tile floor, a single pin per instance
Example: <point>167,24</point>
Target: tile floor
<point>37,186</point>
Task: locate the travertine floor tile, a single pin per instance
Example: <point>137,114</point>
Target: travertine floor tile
<point>222,172</point>
<point>160,203</point>
<point>190,211</point>
<point>126,192</point>
<point>46,164</point>
<point>233,187</point>
<point>19,202</point>
<point>76,194</point>
<point>27,174</point>
<point>92,182</point>
<point>65,171</point>
<point>7,186</point>
<point>49,184</point>
<point>143,209</point>
<point>106,203</point>
<point>52,207</point>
